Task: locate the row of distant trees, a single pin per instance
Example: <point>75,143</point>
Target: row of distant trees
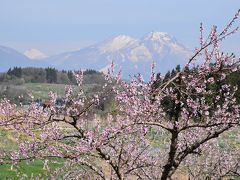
<point>18,75</point>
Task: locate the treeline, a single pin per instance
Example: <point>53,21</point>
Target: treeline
<point>18,76</point>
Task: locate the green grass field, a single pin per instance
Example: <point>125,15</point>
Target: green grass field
<point>41,90</point>
<point>27,168</point>
<point>33,168</point>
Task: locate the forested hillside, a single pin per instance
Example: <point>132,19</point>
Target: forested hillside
<point>16,84</point>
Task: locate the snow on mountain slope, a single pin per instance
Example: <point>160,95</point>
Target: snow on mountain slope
<point>132,55</point>
<point>115,44</point>
<point>162,44</point>
<point>34,54</point>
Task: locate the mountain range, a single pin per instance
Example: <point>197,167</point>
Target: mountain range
<point>129,54</point>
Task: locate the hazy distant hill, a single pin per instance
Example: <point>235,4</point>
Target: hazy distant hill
<point>10,58</point>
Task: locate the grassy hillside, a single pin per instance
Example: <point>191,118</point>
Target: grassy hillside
<point>41,90</point>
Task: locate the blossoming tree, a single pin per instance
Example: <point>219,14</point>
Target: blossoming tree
<point>144,139</point>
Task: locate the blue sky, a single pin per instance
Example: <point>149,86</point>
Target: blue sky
<point>55,26</point>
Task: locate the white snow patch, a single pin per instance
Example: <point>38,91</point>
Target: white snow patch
<point>156,36</point>
<point>140,53</point>
<point>116,43</point>
<point>34,54</point>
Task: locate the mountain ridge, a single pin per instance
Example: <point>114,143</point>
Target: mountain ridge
<point>132,55</point>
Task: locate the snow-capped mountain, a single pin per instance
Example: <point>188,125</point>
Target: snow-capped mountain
<point>35,54</point>
<point>130,54</point>
<point>10,58</point>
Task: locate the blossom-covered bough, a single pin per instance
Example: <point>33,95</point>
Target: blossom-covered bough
<point>160,129</point>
